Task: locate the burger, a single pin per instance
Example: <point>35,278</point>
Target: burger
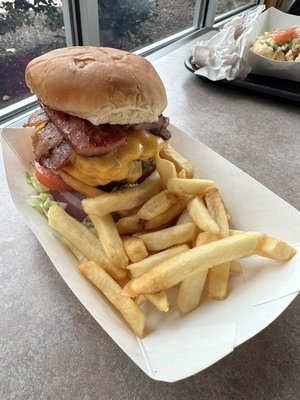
<point>100,121</point>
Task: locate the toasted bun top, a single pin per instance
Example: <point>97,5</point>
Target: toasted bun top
<point>100,84</point>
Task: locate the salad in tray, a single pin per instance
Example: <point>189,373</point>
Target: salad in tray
<point>281,44</point>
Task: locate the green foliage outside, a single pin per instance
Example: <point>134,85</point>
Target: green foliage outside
<point>120,20</point>
<point>22,12</point>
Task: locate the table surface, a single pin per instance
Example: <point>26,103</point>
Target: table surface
<point>52,348</point>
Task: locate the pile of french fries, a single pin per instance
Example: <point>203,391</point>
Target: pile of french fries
<point>173,230</point>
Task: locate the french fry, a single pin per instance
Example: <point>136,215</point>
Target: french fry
<point>235,266</point>
<point>169,153</point>
<point>218,276</point>
<point>190,291</point>
<point>144,265</point>
<point>273,248</point>
<point>159,300</point>
<point>182,174</point>
<point>84,240</point>
<point>176,269</point>
<point>191,288</point>
<point>206,237</point>
<point>110,240</point>
<point>167,216</point>
<point>122,200</point>
<point>217,210</point>
<point>127,213</point>
<point>184,217</point>
<point>217,284</point>
<point>79,186</point>
<point>166,170</point>
<point>130,224</point>
<point>196,187</point>
<point>276,249</point>
<point>135,249</point>
<point>134,316</point>
<point>164,238</point>
<point>157,204</point>
<point>80,257</point>
<point>140,299</point>
<point>201,216</point>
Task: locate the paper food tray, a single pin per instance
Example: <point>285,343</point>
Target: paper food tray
<point>176,346</point>
<point>266,22</point>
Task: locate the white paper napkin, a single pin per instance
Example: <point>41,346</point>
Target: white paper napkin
<point>221,57</point>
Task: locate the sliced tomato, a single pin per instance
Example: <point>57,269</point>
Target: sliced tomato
<point>284,34</point>
<point>49,179</point>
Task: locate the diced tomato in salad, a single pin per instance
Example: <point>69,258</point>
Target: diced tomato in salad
<point>281,35</point>
<point>49,179</point>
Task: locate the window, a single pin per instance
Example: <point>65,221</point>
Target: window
<point>29,28</point>
<point>131,24</point>
<point>26,31</point>
<point>225,7</point>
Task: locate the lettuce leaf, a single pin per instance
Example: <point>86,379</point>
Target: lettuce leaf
<point>42,200</point>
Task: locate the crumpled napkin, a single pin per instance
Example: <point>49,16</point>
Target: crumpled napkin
<point>221,57</point>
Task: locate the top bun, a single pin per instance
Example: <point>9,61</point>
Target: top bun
<point>100,84</point>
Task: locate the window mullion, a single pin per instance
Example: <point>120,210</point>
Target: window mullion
<point>70,22</point>
<point>211,7</point>
<point>89,17</point>
<point>199,15</point>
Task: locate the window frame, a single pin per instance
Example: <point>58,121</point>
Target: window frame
<point>81,22</point>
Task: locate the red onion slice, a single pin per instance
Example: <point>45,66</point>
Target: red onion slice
<point>73,201</point>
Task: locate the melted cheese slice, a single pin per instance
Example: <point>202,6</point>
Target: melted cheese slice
<point>124,163</point>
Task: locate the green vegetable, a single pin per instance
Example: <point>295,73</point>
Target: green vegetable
<point>43,200</point>
<point>33,181</point>
<point>271,43</point>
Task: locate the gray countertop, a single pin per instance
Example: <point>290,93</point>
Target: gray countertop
<point>52,348</point>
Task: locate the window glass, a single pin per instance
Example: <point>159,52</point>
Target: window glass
<point>224,6</point>
<point>132,24</point>
<point>27,29</point>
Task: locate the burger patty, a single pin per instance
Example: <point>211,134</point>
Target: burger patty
<point>148,166</point>
<point>59,134</point>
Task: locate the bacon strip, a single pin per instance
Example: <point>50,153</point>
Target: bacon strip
<point>60,134</point>
<point>58,157</point>
<point>158,128</point>
<point>37,118</point>
<point>85,138</point>
<point>50,149</point>
<point>45,139</point>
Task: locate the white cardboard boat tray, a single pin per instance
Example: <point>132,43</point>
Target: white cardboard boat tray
<point>175,346</point>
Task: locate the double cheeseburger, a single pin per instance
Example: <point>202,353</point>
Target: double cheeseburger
<point>100,119</point>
